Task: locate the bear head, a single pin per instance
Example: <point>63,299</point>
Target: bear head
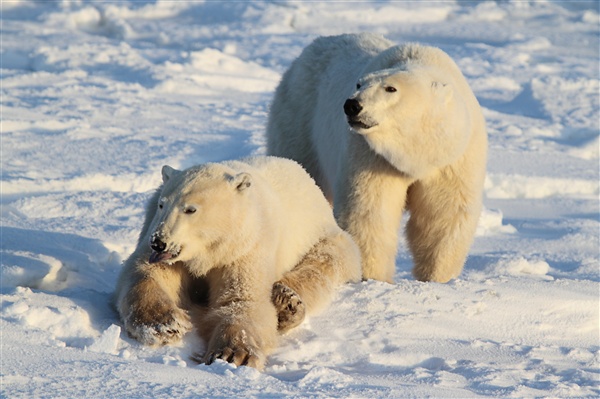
<point>204,217</point>
<point>415,118</point>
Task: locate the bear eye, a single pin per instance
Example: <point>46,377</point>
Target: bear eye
<point>390,89</point>
<point>160,206</point>
<point>357,86</point>
<point>188,210</point>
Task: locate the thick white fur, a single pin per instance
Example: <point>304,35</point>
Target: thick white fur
<point>423,147</point>
<point>232,230</point>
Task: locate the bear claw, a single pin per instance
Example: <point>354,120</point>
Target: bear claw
<point>169,328</point>
<point>291,310</point>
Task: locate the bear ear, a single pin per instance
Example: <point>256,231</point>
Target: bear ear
<point>242,181</point>
<point>442,91</point>
<point>167,173</point>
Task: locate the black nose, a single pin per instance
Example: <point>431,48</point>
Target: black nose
<point>157,244</point>
<point>352,107</point>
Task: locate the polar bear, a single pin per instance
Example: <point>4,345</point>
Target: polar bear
<point>238,250</point>
<point>381,128</point>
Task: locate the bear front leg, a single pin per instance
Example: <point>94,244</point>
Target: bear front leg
<point>444,213</point>
<point>241,325</point>
<point>243,335</point>
<point>309,286</point>
<point>148,303</point>
<point>232,344</point>
<point>369,206</point>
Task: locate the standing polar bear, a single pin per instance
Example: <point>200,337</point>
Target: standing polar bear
<point>382,127</point>
<point>238,250</point>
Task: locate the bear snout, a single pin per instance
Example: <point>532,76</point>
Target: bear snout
<point>161,250</point>
<point>157,244</point>
<point>352,107</point>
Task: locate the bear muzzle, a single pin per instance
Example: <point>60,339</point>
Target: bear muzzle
<point>157,244</point>
<point>159,250</point>
<point>352,109</point>
<point>157,257</point>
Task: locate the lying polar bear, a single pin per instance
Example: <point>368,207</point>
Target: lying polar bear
<point>382,127</point>
<point>238,250</point>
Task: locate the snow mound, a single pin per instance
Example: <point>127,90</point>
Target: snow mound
<point>212,71</point>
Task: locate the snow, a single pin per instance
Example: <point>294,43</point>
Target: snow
<point>97,96</point>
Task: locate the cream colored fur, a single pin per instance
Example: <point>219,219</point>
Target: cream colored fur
<point>419,143</point>
<point>231,231</point>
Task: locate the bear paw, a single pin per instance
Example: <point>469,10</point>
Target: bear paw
<point>290,308</point>
<point>235,354</point>
<point>159,328</point>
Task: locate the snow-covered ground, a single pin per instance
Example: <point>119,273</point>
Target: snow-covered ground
<point>97,96</point>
